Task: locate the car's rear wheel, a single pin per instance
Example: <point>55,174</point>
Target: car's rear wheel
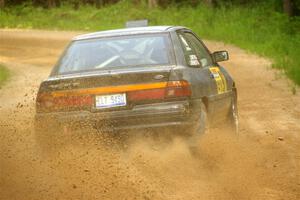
<point>199,128</point>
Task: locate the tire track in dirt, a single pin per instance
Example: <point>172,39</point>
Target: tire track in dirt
<point>257,165</point>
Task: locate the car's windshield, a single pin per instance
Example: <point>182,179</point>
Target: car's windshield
<point>114,52</point>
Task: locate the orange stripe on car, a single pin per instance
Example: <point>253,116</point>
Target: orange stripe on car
<point>110,89</point>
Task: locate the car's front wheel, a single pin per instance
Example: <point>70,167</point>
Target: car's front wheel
<point>233,118</point>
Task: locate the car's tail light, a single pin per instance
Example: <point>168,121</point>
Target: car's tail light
<point>44,100</point>
<point>73,100</point>
<point>47,101</point>
<point>151,94</point>
<point>172,89</point>
<point>178,89</point>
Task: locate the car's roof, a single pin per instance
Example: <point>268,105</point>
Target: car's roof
<point>128,31</point>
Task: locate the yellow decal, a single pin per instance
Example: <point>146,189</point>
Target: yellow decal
<point>219,78</point>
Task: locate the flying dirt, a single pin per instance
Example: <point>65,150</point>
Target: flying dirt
<point>263,162</point>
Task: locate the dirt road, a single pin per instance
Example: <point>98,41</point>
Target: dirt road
<point>263,163</point>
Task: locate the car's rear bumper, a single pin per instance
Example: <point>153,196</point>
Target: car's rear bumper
<point>177,113</point>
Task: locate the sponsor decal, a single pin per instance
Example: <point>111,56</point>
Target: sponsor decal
<point>193,60</point>
<point>219,78</point>
<point>186,45</point>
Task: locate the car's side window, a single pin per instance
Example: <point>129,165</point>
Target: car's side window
<point>189,51</point>
<point>195,53</point>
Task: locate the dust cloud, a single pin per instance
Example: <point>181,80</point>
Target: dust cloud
<point>137,165</point>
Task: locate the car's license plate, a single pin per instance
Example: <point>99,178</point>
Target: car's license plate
<point>108,101</point>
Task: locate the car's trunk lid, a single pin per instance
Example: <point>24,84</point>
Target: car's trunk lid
<point>81,91</point>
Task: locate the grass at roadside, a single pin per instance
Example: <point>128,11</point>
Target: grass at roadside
<point>4,74</point>
<point>258,29</point>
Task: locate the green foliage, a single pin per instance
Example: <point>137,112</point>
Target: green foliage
<point>260,29</point>
<point>4,74</point>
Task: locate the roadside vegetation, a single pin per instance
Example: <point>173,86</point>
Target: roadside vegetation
<point>261,28</point>
<point>4,73</point>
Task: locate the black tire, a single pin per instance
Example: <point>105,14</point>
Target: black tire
<point>199,128</point>
<point>233,117</point>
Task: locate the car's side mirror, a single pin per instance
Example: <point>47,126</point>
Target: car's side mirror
<point>220,56</point>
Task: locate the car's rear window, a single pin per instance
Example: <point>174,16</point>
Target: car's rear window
<point>115,52</point>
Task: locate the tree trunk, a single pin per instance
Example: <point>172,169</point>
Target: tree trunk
<point>288,7</point>
<point>51,3</point>
<point>2,3</point>
<point>57,3</point>
<point>76,5</point>
<point>99,3</point>
<point>209,2</point>
<point>152,3</point>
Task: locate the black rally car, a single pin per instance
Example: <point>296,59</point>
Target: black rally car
<point>136,78</point>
